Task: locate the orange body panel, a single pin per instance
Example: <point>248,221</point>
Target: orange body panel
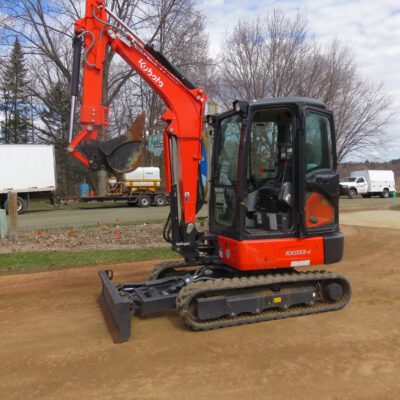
<point>248,255</point>
<point>319,211</point>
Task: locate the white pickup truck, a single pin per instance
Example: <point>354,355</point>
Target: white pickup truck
<point>368,183</point>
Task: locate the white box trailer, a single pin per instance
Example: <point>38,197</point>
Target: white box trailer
<point>369,183</point>
<point>28,169</point>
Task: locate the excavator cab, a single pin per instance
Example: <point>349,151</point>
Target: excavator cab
<point>274,177</point>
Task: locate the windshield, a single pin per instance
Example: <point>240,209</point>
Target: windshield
<point>270,130</point>
<point>351,179</point>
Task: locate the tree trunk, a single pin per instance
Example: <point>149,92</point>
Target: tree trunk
<point>101,182</point>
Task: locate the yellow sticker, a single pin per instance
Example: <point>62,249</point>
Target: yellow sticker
<point>277,299</point>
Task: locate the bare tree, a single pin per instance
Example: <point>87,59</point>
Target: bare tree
<point>46,27</point>
<point>176,29</point>
<point>275,55</point>
<point>179,33</point>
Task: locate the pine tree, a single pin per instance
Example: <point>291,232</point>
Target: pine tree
<point>14,102</point>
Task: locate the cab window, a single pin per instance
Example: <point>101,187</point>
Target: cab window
<point>229,151</point>
<point>227,170</point>
<point>271,133</point>
<point>318,151</point>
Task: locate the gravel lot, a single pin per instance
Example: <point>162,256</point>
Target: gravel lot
<point>99,237</point>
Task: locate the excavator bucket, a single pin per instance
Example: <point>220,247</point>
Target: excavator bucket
<point>124,153</point>
<point>118,155</point>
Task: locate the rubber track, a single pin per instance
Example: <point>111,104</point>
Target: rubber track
<point>195,289</point>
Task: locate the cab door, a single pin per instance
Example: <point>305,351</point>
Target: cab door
<point>361,185</point>
<point>223,209</point>
<point>320,205</point>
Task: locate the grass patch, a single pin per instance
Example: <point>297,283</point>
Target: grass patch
<point>396,208</point>
<point>19,263</point>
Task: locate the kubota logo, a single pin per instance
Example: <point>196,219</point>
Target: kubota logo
<point>148,70</point>
<point>297,252</point>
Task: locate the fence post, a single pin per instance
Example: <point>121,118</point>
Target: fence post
<point>12,215</point>
<point>3,224</point>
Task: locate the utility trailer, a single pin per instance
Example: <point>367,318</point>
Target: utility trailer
<point>138,188</point>
<point>29,170</point>
<point>142,198</point>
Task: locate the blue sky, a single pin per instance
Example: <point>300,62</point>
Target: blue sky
<point>371,28</point>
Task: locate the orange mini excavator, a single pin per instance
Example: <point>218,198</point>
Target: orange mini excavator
<point>274,190</point>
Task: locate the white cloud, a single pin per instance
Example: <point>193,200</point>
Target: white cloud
<point>371,28</point>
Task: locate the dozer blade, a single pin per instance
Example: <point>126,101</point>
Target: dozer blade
<point>118,155</point>
<point>117,310</point>
<point>121,302</point>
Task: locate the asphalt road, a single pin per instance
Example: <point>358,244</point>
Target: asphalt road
<point>90,216</point>
<point>123,214</point>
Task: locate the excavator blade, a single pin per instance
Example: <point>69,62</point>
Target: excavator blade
<point>117,310</point>
<point>124,153</point>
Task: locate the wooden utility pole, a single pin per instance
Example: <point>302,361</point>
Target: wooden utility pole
<point>12,206</point>
<point>3,224</point>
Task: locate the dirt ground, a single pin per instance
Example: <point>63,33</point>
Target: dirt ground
<point>381,218</point>
<point>54,343</point>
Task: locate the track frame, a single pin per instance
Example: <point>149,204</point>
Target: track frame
<point>220,296</point>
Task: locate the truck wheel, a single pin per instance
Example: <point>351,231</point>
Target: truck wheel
<point>160,200</point>
<point>385,194</point>
<point>144,201</point>
<point>352,193</point>
<point>21,205</point>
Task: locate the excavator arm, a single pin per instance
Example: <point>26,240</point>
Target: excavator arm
<point>99,30</point>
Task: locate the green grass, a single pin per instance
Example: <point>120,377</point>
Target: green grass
<point>19,263</point>
<point>396,208</point>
